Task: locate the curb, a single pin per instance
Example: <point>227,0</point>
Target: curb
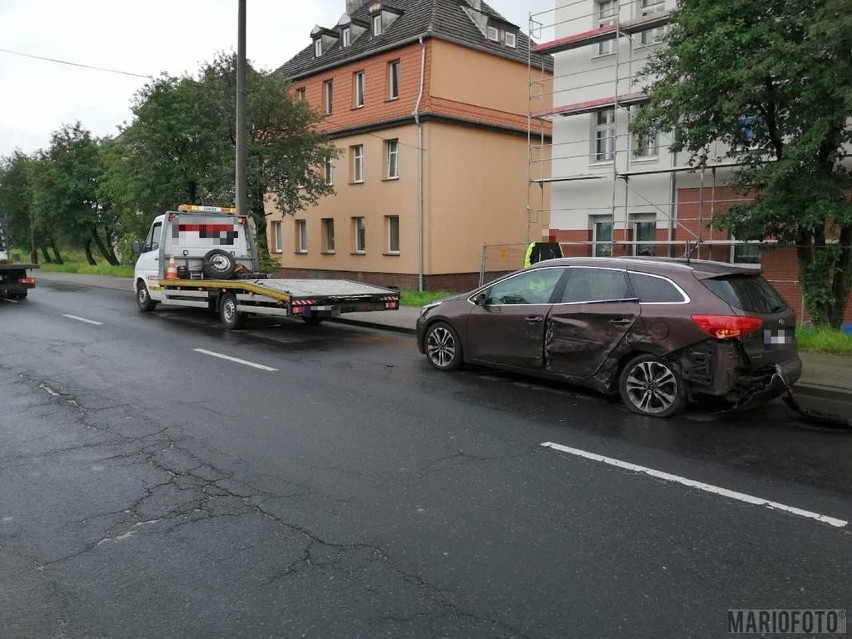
<point>382,327</point>
<point>824,392</point>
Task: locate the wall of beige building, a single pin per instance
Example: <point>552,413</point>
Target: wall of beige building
<point>375,199</point>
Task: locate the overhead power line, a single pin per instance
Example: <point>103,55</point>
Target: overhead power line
<point>77,64</point>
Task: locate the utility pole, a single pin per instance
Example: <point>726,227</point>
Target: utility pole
<point>241,110</point>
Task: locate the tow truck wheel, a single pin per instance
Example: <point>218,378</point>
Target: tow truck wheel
<point>312,321</point>
<point>143,298</point>
<point>649,386</point>
<point>20,295</point>
<point>231,317</point>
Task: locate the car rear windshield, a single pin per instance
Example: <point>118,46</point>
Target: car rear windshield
<point>750,293</point>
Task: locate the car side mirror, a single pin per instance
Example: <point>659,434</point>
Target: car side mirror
<point>136,248</point>
<point>481,299</point>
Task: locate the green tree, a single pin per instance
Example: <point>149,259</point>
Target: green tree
<point>16,199</point>
<point>180,147</point>
<point>773,81</point>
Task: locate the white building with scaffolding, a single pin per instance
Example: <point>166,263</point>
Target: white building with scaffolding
<point>613,192</point>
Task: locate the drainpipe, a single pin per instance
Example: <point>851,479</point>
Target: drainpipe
<point>420,222</point>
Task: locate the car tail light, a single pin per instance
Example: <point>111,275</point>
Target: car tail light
<point>26,280</point>
<point>727,326</point>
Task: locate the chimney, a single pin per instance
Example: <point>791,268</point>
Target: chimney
<point>352,5</point>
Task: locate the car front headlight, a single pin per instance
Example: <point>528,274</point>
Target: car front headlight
<point>425,309</point>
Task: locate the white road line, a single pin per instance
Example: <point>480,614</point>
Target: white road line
<point>83,319</point>
<point>716,490</point>
<point>235,359</point>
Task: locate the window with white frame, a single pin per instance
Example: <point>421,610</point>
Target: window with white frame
<point>347,36</point>
<point>393,80</point>
<point>377,25</point>
<point>358,89</point>
<point>318,47</point>
<point>392,159</point>
<point>746,254</point>
<point>301,236</point>
<point>607,12</point>
<point>602,236</point>
<point>604,138</point>
<point>328,235</point>
<point>493,33</point>
<point>392,222</point>
<point>511,39</point>
<point>277,240</point>
<point>357,154</point>
<point>644,230</point>
<point>329,171</point>
<point>328,96</point>
<point>645,145</point>
<point>359,232</point>
<point>647,9</point>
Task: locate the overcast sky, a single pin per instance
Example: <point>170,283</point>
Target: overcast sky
<point>147,37</point>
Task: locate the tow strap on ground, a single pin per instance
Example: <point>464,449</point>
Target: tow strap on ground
<point>816,417</point>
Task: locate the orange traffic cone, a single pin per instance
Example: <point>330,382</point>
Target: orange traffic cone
<point>171,269</point>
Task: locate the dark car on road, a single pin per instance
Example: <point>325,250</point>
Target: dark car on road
<point>660,332</point>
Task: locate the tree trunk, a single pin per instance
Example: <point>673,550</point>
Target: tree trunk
<point>102,248</point>
<point>56,256</point>
<point>47,258</point>
<point>89,258</point>
<point>842,284</point>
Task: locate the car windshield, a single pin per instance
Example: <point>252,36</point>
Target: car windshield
<point>750,293</point>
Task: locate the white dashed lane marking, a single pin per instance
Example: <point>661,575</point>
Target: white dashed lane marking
<point>83,319</point>
<point>235,359</point>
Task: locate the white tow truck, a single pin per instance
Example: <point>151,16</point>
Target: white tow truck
<point>207,257</point>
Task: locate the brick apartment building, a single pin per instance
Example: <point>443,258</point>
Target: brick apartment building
<point>427,102</point>
<point>612,192</point>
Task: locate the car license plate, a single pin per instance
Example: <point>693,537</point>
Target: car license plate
<point>777,338</point>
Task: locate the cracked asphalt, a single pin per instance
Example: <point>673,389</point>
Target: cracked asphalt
<point>148,490</point>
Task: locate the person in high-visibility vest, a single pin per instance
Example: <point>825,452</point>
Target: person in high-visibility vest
<point>538,251</point>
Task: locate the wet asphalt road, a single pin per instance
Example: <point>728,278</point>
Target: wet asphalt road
<point>151,490</point>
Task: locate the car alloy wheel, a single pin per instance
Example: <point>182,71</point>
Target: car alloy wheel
<point>652,387</point>
<point>443,348</point>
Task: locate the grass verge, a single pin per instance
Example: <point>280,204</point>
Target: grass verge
<point>824,340</point>
<point>421,298</point>
<point>87,269</point>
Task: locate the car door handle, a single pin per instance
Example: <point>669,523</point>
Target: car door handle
<point>535,319</point>
<point>621,322</point>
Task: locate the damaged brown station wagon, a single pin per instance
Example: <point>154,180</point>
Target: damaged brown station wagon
<point>660,332</point>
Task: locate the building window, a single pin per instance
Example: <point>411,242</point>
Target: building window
<point>493,34</point>
<point>300,94</point>
<point>329,171</point>
<point>746,254</point>
<point>360,234</point>
<point>393,80</point>
<point>377,25</point>
<point>648,8</point>
<point>318,47</point>
<point>511,39</point>
<point>392,158</point>
<point>328,235</point>
<point>328,96</point>
<point>357,154</point>
<point>347,37</point>
<point>602,237</point>
<point>393,234</point>
<point>644,145</point>
<point>301,236</point>
<point>604,135</point>
<point>607,14</point>
<point>358,89</point>
<point>644,230</point>
<point>277,243</point>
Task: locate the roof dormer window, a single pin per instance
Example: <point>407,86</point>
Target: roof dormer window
<point>347,36</point>
<point>511,39</point>
<point>377,25</point>
<point>318,47</point>
<point>493,34</point>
